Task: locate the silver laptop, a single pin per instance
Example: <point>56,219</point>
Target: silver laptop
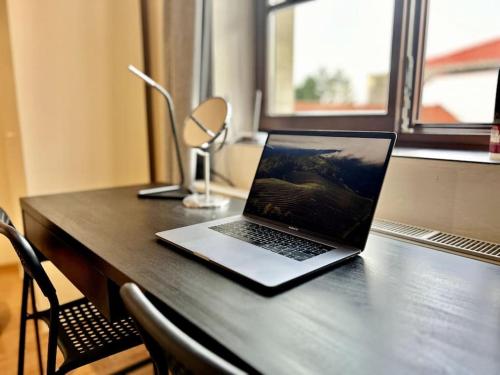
<point>311,205</point>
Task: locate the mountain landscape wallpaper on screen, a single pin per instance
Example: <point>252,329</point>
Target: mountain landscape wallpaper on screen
<point>326,185</point>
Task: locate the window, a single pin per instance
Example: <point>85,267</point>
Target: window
<point>460,62</point>
<point>313,66</point>
<point>426,68</point>
<point>309,87</point>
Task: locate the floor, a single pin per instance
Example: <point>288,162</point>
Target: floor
<point>10,305</point>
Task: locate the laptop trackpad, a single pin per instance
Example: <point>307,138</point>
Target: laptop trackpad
<point>227,250</point>
<point>249,260</point>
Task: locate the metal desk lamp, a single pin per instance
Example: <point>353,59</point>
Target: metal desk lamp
<point>169,191</point>
<point>207,123</point>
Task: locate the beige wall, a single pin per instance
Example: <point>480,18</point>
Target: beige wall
<point>455,197</point>
<point>81,113</point>
<point>71,115</point>
<point>12,183</point>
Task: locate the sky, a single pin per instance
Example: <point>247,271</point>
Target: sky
<point>370,150</point>
<point>344,32</point>
<point>454,24</point>
<point>355,36</point>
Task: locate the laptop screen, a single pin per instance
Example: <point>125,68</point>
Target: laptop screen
<point>321,184</point>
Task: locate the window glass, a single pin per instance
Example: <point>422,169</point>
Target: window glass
<point>462,58</point>
<point>329,56</point>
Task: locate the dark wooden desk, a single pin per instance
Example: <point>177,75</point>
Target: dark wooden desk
<point>398,308</point>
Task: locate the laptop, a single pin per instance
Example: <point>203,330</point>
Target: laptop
<point>310,206</point>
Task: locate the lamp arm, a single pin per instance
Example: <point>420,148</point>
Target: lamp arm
<point>170,107</point>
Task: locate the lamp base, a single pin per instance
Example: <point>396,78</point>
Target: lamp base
<point>201,201</point>
<point>164,192</point>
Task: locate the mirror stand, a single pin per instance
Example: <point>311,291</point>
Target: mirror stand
<point>205,200</point>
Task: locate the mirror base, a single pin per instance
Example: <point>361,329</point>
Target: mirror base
<point>201,201</point>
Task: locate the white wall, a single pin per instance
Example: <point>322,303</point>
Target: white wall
<point>456,197</point>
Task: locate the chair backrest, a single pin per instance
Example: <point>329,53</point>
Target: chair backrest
<point>29,260</point>
<point>166,343</point>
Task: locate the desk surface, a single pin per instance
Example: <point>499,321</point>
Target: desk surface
<point>397,308</point>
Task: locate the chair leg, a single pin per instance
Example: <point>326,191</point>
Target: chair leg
<point>52,350</point>
<point>37,330</point>
<point>22,329</point>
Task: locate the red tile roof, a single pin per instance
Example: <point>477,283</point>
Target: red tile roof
<point>436,114</point>
<point>428,113</point>
<point>488,51</point>
<point>304,106</point>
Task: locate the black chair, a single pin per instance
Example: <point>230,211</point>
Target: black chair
<point>81,332</point>
<point>171,349</point>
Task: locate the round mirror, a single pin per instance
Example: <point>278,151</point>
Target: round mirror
<point>206,123</point>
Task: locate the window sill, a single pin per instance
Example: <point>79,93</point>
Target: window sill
<point>465,156</point>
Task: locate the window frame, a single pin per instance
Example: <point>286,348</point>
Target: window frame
<point>412,133</point>
<point>407,46</point>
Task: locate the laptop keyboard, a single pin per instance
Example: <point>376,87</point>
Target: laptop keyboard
<point>285,244</point>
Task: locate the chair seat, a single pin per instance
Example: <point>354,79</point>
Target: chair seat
<point>85,336</point>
